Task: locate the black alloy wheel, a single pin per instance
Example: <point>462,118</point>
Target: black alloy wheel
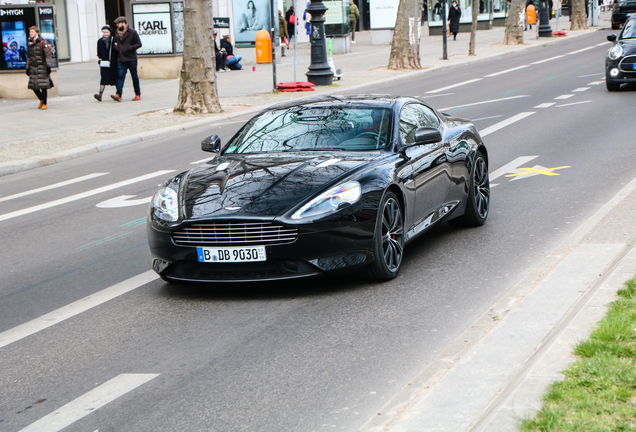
<point>478,203</point>
<point>388,241</point>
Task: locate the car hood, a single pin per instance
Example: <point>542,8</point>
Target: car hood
<point>257,185</point>
<point>629,46</point>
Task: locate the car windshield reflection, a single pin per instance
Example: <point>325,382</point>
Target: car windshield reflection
<point>629,31</point>
<point>315,129</point>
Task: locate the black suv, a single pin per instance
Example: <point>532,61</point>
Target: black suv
<point>621,12</point>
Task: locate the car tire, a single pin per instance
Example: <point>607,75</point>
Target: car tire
<point>388,241</point>
<point>478,202</point>
<point>612,85</point>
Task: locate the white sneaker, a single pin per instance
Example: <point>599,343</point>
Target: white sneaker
<point>353,41</point>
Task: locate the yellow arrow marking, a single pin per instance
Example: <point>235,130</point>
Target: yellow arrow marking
<point>544,171</point>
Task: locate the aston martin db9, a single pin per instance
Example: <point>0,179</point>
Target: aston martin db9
<point>319,187</point>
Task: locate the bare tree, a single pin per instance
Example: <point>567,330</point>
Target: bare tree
<point>473,28</point>
<point>197,90</point>
<point>406,36</point>
<point>579,18</point>
<point>514,23</point>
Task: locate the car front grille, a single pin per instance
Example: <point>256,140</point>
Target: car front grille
<point>627,64</point>
<point>234,233</point>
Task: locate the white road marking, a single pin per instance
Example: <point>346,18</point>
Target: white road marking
<point>123,201</point>
<point>454,85</point>
<point>437,95</point>
<point>504,123</point>
<point>511,167</point>
<point>202,161</point>
<point>547,60</point>
<point>567,96</point>
<point>65,312</point>
<point>573,103</point>
<point>589,75</point>
<point>603,43</point>
<point>581,89</point>
<point>82,195</point>
<point>546,105</point>
<point>596,82</point>
<point>484,102</point>
<point>89,402</point>
<point>505,71</point>
<point>487,118</point>
<point>53,186</point>
<point>581,50</point>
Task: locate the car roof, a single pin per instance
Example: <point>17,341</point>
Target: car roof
<point>369,100</point>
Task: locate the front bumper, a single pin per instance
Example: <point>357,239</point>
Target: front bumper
<point>332,250</point>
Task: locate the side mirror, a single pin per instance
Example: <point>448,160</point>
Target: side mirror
<point>427,135</point>
<point>611,37</point>
<point>211,144</point>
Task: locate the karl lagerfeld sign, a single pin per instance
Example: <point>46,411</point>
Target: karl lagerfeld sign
<point>154,25</point>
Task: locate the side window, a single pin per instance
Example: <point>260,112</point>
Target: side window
<point>408,123</point>
<point>414,116</point>
<point>426,116</point>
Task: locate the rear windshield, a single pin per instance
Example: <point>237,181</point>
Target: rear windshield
<point>315,129</point>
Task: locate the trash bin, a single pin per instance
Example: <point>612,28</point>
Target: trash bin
<point>263,47</point>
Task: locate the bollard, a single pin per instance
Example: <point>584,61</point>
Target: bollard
<point>263,47</point>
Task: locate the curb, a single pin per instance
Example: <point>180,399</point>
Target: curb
<point>14,167</point>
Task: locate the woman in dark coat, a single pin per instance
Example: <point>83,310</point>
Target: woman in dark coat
<point>38,65</point>
<point>454,14</point>
<point>107,62</point>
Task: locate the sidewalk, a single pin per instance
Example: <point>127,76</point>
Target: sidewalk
<point>76,124</point>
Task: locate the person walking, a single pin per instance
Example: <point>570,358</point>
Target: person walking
<point>454,14</point>
<point>284,35</point>
<point>290,20</point>
<point>354,14</point>
<point>126,42</point>
<point>107,61</point>
<point>38,66</point>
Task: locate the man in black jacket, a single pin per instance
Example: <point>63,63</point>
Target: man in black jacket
<point>126,43</point>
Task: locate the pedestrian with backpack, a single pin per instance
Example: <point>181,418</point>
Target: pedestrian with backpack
<point>109,75</point>
<point>38,65</point>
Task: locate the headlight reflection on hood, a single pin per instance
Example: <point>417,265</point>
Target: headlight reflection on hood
<point>330,201</point>
<point>165,204</point>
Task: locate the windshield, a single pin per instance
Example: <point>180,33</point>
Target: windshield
<point>629,31</point>
<point>315,129</point>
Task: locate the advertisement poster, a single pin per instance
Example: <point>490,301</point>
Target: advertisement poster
<point>383,13</point>
<point>154,25</point>
<point>14,44</point>
<point>47,30</point>
<point>250,16</point>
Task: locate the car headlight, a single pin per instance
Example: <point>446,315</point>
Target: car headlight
<point>165,204</point>
<point>330,201</point>
<point>615,52</point>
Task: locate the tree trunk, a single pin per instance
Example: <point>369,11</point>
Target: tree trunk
<point>579,18</point>
<point>406,36</point>
<point>473,28</point>
<point>514,23</point>
<point>197,89</point>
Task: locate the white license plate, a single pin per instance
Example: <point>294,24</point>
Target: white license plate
<point>232,254</point>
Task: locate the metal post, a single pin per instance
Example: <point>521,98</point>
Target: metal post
<point>320,72</point>
<point>444,32</point>
<point>273,33</point>
<point>544,20</point>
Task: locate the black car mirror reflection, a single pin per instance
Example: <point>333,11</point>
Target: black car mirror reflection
<point>427,135</point>
<point>611,37</point>
<point>211,144</point>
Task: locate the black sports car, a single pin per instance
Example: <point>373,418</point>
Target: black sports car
<point>620,61</point>
<point>621,12</point>
<point>321,186</point>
